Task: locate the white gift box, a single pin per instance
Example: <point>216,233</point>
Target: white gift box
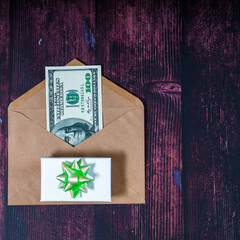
<point>98,191</point>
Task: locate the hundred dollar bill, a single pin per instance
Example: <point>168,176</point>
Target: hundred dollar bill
<point>73,102</point>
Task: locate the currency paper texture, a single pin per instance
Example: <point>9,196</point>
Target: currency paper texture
<point>73,102</point>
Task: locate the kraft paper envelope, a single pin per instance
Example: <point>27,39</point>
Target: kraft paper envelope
<point>122,139</point>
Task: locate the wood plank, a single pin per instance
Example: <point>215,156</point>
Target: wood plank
<point>138,44</point>
<point>164,166</point>
<point>4,101</point>
<point>211,119</point>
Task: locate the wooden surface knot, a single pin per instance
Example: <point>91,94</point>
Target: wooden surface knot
<point>166,87</point>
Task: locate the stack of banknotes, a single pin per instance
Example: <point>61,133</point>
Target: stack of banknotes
<point>74,102</point>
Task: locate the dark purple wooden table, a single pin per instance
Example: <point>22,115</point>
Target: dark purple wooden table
<point>154,50</point>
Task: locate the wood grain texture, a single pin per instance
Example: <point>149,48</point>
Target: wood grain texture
<point>4,101</point>
<point>141,53</point>
<point>138,43</point>
<point>211,119</point>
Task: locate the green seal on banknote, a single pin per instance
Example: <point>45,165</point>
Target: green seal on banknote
<point>74,178</point>
<point>72,97</point>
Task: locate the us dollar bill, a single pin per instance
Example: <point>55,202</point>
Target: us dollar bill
<point>73,102</point>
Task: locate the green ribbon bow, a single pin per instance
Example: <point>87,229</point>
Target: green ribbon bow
<point>73,179</point>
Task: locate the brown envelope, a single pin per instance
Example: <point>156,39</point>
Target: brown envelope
<point>122,139</point>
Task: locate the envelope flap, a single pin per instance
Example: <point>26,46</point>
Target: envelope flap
<point>116,101</point>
